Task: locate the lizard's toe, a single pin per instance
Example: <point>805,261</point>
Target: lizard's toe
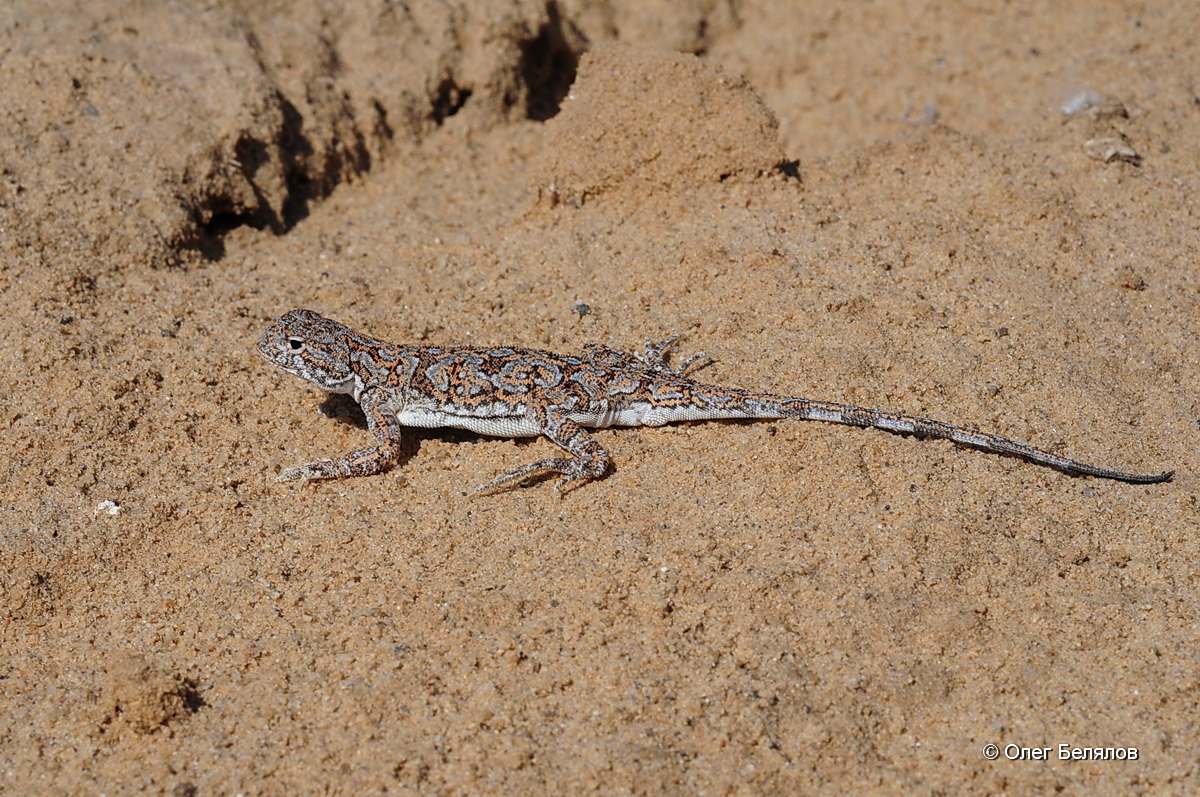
<point>290,475</point>
<point>302,473</point>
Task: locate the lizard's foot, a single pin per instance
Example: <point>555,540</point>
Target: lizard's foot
<point>325,469</point>
<point>654,358</point>
<point>365,462</point>
<point>574,470</point>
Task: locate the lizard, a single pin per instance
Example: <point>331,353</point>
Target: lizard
<point>508,391</point>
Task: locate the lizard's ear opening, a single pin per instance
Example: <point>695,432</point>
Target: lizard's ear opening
<point>296,344</point>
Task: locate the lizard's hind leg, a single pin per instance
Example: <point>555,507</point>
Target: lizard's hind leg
<point>654,358</point>
<point>588,459</point>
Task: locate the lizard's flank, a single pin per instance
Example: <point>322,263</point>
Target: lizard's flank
<point>513,392</point>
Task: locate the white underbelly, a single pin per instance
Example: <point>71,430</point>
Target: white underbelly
<point>496,426</point>
<point>641,414</point>
<point>646,414</point>
<point>627,416</point>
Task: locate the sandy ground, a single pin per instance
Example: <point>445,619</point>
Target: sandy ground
<point>884,204</point>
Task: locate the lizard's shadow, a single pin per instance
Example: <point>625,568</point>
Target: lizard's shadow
<point>342,408</point>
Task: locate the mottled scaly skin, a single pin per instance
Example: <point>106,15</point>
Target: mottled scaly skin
<point>512,392</point>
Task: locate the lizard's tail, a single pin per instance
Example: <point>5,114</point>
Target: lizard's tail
<point>759,405</point>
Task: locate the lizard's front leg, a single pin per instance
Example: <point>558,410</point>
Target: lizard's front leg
<point>588,461</point>
<point>366,461</point>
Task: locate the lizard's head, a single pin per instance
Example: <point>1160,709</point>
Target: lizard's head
<point>312,347</point>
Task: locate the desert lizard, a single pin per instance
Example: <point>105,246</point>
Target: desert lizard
<point>514,392</point>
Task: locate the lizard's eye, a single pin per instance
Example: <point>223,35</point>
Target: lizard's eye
<point>295,344</point>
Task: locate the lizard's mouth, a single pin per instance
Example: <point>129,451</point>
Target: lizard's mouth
<point>270,348</point>
<point>275,358</point>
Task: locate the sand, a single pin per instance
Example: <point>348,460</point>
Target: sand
<point>984,216</point>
